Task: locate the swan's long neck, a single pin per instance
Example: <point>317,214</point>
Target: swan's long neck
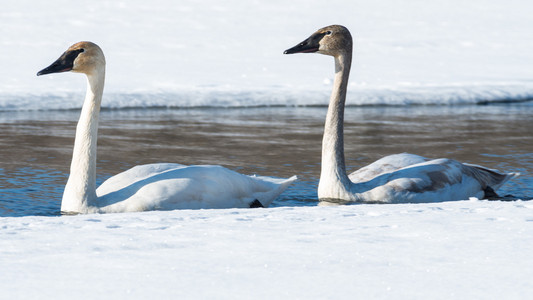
<point>334,183</point>
<point>80,190</point>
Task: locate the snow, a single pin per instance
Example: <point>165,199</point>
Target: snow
<point>230,54</point>
<point>466,250</point>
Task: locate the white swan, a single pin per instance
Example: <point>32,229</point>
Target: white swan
<point>395,178</point>
<point>147,187</point>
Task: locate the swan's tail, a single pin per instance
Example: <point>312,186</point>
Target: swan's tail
<point>279,185</point>
<point>490,177</point>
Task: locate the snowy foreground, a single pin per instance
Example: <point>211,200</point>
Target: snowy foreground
<point>464,250</point>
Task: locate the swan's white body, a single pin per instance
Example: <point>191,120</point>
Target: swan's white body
<point>393,179</point>
<point>147,187</point>
<point>175,186</point>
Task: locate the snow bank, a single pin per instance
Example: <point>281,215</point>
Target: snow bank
<point>465,250</point>
<point>230,54</point>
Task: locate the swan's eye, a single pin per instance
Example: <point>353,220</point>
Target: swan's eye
<point>81,50</point>
<point>328,32</point>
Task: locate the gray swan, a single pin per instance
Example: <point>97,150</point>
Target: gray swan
<point>395,178</point>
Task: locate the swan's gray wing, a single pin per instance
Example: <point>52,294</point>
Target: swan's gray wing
<point>386,164</point>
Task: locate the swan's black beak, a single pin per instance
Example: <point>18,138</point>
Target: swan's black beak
<point>303,47</point>
<point>64,63</point>
<point>312,44</point>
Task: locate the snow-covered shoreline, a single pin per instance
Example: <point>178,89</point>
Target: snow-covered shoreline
<point>230,54</point>
<point>464,249</point>
<point>232,97</point>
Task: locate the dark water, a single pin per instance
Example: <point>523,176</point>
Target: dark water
<point>35,147</point>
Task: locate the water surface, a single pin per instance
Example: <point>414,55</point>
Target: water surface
<point>36,146</point>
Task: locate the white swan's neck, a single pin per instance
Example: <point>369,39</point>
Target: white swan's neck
<point>334,183</point>
<point>80,190</point>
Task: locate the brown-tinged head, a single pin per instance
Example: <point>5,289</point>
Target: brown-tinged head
<point>331,40</point>
<point>82,57</point>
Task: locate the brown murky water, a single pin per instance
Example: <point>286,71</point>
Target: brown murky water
<point>35,147</point>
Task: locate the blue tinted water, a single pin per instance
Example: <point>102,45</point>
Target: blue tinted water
<point>35,146</point>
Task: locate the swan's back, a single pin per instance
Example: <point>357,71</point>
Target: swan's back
<point>135,174</point>
<point>386,164</point>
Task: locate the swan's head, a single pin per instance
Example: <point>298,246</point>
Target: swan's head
<point>331,40</point>
<point>82,57</point>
